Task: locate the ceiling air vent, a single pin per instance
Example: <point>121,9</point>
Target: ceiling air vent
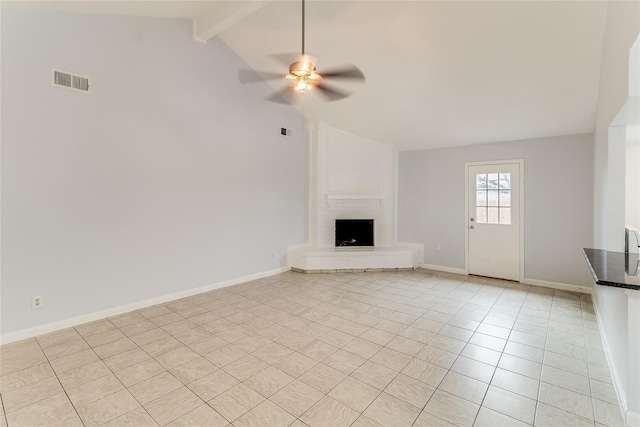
<point>71,81</point>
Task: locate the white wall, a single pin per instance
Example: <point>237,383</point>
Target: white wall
<point>347,165</point>
<point>169,176</point>
<point>621,30</point>
<point>558,200</point>
<point>632,181</point>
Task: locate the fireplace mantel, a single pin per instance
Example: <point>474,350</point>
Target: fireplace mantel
<point>355,197</point>
<point>336,198</point>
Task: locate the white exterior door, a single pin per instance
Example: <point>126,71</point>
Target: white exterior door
<point>493,220</point>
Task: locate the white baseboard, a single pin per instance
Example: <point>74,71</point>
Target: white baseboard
<point>558,285</point>
<point>102,314</point>
<point>627,415</point>
<point>445,269</point>
<point>527,281</point>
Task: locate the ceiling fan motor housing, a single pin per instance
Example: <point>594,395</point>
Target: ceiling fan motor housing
<point>303,69</point>
<point>305,73</point>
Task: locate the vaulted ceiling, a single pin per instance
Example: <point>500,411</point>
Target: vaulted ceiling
<point>438,73</point>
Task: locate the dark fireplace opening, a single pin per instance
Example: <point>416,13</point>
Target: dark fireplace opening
<point>354,232</point>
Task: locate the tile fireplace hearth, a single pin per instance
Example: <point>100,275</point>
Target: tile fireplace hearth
<point>326,260</point>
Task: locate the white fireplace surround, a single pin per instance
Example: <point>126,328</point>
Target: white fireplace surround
<point>329,260</point>
<point>352,178</point>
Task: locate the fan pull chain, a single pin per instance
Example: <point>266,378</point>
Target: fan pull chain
<point>303,125</point>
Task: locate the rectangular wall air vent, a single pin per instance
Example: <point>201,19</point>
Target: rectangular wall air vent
<point>71,81</point>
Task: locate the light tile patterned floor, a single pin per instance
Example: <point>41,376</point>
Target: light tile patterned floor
<point>351,349</point>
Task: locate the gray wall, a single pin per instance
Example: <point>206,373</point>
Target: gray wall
<point>169,176</point>
<point>558,219</point>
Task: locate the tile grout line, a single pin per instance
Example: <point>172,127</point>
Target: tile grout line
<point>368,293</point>
<point>480,405</point>
<point>500,358</point>
<point>114,372</point>
<point>165,370</point>
<point>58,379</point>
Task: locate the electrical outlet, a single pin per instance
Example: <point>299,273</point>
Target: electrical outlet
<point>273,255</point>
<point>36,302</point>
<point>438,247</point>
<point>461,203</point>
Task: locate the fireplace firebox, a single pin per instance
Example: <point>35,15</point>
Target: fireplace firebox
<point>354,232</point>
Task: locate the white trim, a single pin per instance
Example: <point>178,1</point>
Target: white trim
<point>102,314</point>
<point>292,248</point>
<point>519,162</point>
<point>622,403</point>
<point>521,219</point>
<point>355,197</point>
<point>466,215</point>
<point>525,281</point>
<point>633,320</point>
<point>195,33</point>
<point>298,246</point>
<point>558,285</point>
<point>395,186</point>
<point>445,269</point>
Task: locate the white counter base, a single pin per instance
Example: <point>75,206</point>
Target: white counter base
<point>331,260</point>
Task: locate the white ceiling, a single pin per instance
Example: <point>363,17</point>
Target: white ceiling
<point>439,73</point>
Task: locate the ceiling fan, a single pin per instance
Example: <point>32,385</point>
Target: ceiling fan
<point>303,75</point>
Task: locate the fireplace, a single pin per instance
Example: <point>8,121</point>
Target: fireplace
<point>354,232</point>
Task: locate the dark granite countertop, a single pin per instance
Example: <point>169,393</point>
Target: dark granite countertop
<point>612,268</point>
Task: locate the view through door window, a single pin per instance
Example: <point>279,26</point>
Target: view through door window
<point>493,198</point>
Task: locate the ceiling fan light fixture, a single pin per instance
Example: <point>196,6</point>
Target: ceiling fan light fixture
<point>303,76</point>
<point>302,68</point>
<point>303,84</point>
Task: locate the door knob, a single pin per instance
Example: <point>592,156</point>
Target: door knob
<point>471,227</point>
<point>471,219</point>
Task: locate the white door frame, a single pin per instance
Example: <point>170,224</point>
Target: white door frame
<point>466,209</point>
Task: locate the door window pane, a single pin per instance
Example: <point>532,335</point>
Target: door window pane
<point>505,198</point>
<point>481,181</point>
<point>492,181</point>
<point>481,198</point>
<point>481,215</point>
<point>493,198</point>
<point>505,215</point>
<point>505,181</point>
<point>493,216</point>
